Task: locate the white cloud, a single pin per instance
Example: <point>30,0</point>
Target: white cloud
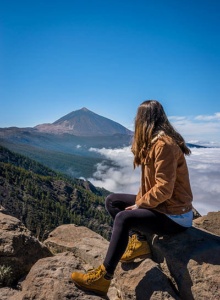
<point>216,116</point>
<point>201,128</point>
<point>177,118</point>
<point>121,177</point>
<point>204,170</point>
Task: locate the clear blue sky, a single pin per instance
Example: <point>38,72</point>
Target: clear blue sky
<point>108,56</point>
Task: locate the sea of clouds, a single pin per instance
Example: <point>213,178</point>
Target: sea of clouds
<point>204,170</point>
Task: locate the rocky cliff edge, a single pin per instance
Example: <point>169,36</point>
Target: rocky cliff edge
<point>184,266</point>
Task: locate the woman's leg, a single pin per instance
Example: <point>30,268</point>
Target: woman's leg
<point>142,220</point>
<point>115,203</point>
<point>99,280</point>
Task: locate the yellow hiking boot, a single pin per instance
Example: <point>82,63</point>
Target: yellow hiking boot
<point>93,281</point>
<point>135,249</point>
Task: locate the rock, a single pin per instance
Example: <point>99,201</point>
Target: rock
<point>192,261</point>
<point>129,281</point>
<point>3,210</point>
<point>83,242</point>
<point>183,266</point>
<point>210,222</point>
<point>6,293</point>
<point>144,280</point>
<point>49,279</point>
<point>196,214</point>
<point>18,249</point>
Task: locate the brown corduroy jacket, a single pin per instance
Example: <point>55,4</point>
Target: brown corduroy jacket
<point>165,184</point>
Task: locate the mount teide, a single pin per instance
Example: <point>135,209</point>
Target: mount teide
<point>64,145</point>
<point>84,122</point>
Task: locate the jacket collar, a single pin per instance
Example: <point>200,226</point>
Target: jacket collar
<point>160,134</point>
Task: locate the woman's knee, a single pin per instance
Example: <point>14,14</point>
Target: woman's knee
<point>108,202</point>
<point>122,219</point>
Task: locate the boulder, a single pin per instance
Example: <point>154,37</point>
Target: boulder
<point>192,262</point>
<point>19,250</point>
<point>80,240</point>
<point>6,293</point>
<point>49,279</point>
<point>142,280</point>
<point>91,248</point>
<point>210,222</point>
<point>191,275</point>
<point>183,266</point>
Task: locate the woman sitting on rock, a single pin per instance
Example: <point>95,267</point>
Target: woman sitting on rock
<point>163,204</point>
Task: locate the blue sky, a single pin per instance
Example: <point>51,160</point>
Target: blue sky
<point>109,56</point>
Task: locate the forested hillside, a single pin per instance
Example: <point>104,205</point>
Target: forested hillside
<point>63,153</point>
<point>43,199</point>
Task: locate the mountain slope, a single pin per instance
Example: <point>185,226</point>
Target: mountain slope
<point>64,146</point>
<point>43,199</point>
<point>84,122</point>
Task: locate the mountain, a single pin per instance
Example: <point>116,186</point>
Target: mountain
<point>64,145</point>
<point>84,122</point>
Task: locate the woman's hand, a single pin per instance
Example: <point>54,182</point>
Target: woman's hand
<point>132,207</point>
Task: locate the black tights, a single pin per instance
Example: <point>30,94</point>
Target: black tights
<point>141,220</point>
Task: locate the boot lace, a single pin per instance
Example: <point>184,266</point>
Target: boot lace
<point>131,245</point>
<point>95,274</point>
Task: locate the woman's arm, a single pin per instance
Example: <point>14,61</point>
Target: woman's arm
<point>165,165</point>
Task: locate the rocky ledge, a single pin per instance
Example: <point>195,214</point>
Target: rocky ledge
<point>184,266</point>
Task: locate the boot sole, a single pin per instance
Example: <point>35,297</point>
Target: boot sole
<point>100,293</point>
<point>143,256</point>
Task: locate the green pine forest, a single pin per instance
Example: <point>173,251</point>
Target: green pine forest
<point>44,199</point>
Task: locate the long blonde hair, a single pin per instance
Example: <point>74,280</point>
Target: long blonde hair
<point>149,121</point>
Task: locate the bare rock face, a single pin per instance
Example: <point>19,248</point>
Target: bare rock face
<point>18,249</point>
<point>185,266</point>
<point>143,280</point>
<point>130,281</point>
<point>192,261</point>
<point>83,242</point>
<point>210,222</point>
<point>49,279</point>
<point>7,293</point>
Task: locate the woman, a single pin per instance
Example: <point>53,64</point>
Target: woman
<point>163,204</point>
